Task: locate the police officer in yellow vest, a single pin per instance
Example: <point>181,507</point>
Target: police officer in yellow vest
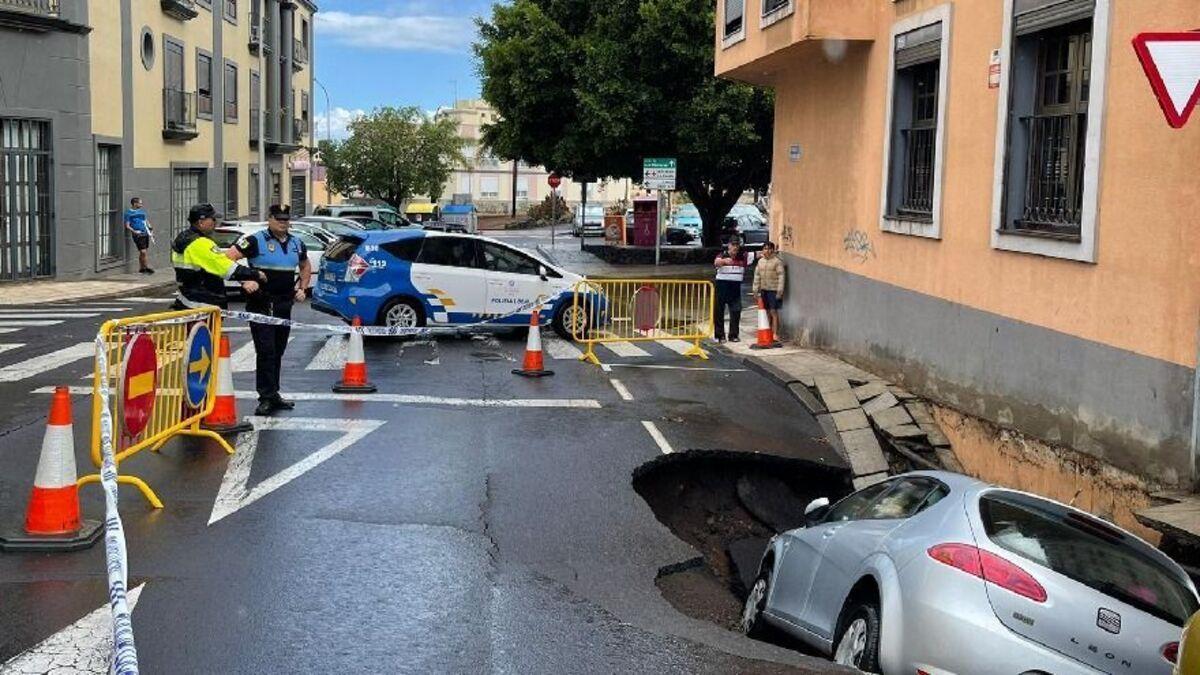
<point>276,253</point>
<point>200,267</point>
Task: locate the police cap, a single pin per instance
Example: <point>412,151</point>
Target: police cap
<point>202,211</point>
<point>281,212</point>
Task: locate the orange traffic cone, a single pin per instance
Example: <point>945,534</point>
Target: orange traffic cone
<point>52,521</point>
<point>224,416</point>
<point>766,336</point>
<point>354,373</point>
<point>534,365</point>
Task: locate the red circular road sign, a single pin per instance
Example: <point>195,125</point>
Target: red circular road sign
<point>139,382</point>
<point>554,180</point>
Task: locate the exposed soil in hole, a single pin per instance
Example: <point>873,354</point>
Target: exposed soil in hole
<point>727,505</point>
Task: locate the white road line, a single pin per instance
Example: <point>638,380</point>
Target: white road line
<point>9,347</point>
<point>8,330</point>
<point>46,315</point>
<point>47,362</point>
<point>406,399</point>
<point>332,356</point>
<point>625,349</point>
<point>657,367</point>
<point>86,645</point>
<point>625,395</point>
<point>167,299</point>
<point>234,493</point>
<point>71,309</point>
<point>677,346</point>
<point>561,350</point>
<point>658,437</point>
<point>28,324</point>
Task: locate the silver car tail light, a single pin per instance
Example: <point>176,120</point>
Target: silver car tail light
<point>989,567</point>
<point>1170,652</point>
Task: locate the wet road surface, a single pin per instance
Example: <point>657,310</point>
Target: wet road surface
<point>450,534</point>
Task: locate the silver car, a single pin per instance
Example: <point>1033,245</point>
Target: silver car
<point>938,573</point>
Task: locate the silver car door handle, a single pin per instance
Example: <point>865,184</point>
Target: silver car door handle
<point>828,533</point>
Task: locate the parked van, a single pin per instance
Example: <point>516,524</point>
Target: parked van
<point>384,214</point>
<point>591,225</point>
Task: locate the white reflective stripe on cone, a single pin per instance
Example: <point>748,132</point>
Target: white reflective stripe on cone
<point>224,377</point>
<point>355,353</point>
<point>535,339</point>
<point>56,465</point>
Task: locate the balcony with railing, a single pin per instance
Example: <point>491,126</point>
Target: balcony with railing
<point>184,10</point>
<point>299,54</point>
<point>179,115</point>
<point>283,143</point>
<point>38,16</point>
<point>257,40</point>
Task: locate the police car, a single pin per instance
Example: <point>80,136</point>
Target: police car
<point>412,278</point>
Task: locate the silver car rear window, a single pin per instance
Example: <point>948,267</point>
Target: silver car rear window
<point>1088,551</point>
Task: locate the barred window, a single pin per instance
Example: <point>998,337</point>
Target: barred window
<point>734,16</point>
<point>914,126</point>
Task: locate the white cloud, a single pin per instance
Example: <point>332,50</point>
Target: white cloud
<point>337,122</point>
<point>424,32</point>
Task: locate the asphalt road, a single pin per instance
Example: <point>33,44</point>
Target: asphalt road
<point>465,520</point>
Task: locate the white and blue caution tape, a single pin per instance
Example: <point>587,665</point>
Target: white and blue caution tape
<point>124,658</point>
<point>369,331</point>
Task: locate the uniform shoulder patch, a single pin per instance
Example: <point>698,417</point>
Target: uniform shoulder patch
<point>244,241</point>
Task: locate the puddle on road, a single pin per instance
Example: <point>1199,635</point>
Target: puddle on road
<point>727,505</point>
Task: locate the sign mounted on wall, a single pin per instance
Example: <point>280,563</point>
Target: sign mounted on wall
<point>794,153</point>
<point>1172,64</point>
<point>994,70</point>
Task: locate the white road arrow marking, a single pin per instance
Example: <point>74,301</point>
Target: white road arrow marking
<point>236,494</point>
<point>83,647</point>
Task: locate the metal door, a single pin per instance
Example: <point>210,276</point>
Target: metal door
<point>299,196</point>
<point>26,228</point>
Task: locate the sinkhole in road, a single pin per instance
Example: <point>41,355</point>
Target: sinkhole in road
<point>727,505</point>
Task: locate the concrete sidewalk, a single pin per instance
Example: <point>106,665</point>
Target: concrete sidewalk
<point>862,414</point>
<point>37,292</point>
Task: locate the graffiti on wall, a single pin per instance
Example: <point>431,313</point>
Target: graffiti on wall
<point>785,234</point>
<point>858,244</point>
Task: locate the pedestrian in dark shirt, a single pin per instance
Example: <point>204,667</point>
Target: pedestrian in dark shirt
<point>139,228</point>
<point>731,267</point>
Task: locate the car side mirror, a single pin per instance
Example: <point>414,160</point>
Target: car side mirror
<point>543,272</point>
<point>816,510</point>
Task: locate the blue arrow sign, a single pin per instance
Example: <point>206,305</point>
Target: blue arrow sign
<point>199,367</point>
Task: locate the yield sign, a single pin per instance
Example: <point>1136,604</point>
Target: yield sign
<point>1172,62</point>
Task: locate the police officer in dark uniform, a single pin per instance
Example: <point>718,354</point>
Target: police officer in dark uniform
<point>200,268</point>
<point>277,254</point>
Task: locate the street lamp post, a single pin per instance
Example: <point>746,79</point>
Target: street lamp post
<point>328,136</point>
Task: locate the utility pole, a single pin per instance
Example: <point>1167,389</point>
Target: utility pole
<point>262,110</point>
<point>514,189</point>
<point>328,136</point>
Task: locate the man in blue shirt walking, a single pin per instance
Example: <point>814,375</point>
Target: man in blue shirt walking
<point>139,228</point>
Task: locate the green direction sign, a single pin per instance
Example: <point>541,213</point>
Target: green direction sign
<point>658,173</point>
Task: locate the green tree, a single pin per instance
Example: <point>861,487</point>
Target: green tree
<point>592,88</point>
<point>394,154</point>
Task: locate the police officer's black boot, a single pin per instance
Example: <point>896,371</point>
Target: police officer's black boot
<point>265,407</point>
<point>282,403</point>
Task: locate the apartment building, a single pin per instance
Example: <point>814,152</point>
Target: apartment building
<point>103,101</point>
<point>981,200</point>
<point>491,183</point>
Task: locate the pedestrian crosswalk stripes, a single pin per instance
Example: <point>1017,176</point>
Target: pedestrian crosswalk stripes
<point>332,355</point>
<point>561,349</point>
<point>328,353</point>
<point>46,362</point>
<point>243,359</point>
<point>677,346</point>
<point>624,349</point>
<point>7,315</point>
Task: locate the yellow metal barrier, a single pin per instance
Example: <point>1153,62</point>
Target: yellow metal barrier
<point>641,310</point>
<point>170,414</point>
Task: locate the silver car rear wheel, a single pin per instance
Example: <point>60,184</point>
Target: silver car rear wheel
<point>853,644</point>
<point>857,644</point>
<point>751,624</point>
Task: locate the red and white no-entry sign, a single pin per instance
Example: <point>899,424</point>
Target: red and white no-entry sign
<point>1172,62</point>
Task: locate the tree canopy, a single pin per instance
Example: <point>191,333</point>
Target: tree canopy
<point>592,88</point>
<point>394,154</point>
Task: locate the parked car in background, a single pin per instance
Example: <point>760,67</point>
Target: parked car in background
<point>383,214</point>
<point>589,225</point>
<point>464,215</point>
<point>444,226</point>
<point>751,229</point>
<point>337,226</point>
<point>940,573</point>
<point>685,227</point>
<point>422,212</point>
<point>369,223</point>
<point>227,235</point>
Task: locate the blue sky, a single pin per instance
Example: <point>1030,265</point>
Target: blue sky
<point>372,53</point>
